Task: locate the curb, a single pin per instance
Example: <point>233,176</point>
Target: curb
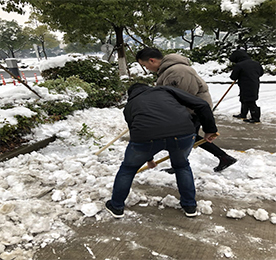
<point>27,148</point>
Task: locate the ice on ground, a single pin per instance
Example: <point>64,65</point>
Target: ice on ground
<point>235,213</point>
<point>259,214</point>
<point>273,218</point>
<point>171,201</point>
<point>225,251</point>
<point>205,207</point>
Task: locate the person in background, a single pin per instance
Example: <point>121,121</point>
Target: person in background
<point>248,73</point>
<point>175,70</point>
<point>154,128</point>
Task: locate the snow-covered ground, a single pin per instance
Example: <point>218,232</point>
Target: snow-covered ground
<point>79,182</point>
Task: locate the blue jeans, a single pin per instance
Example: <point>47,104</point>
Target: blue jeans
<point>136,154</point>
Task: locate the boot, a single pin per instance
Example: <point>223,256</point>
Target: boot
<point>244,110</point>
<point>255,116</point>
<point>224,162</point>
<point>252,121</point>
<point>239,116</point>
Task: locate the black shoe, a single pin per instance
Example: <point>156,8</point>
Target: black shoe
<point>224,162</point>
<point>169,170</point>
<point>239,116</point>
<point>190,211</point>
<point>252,121</point>
<point>116,213</point>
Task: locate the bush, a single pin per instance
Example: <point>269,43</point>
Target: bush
<point>12,134</point>
<point>106,88</point>
<point>78,85</point>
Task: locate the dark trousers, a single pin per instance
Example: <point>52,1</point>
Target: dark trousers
<point>209,147</point>
<point>136,154</point>
<point>251,106</point>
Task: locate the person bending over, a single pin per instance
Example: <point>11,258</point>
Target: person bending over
<point>154,128</point>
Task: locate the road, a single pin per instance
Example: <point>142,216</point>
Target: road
<point>28,73</point>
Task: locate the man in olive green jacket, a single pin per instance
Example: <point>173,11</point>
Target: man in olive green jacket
<point>175,70</point>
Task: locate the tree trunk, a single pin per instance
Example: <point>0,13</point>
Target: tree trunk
<point>121,50</point>
<point>12,53</point>
<point>43,49</point>
<point>217,34</point>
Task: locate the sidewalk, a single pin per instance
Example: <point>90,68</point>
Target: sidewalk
<point>152,233</point>
<point>168,234</point>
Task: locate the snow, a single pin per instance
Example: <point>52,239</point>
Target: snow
<point>10,113</point>
<point>235,213</point>
<point>66,181</point>
<point>237,6</point>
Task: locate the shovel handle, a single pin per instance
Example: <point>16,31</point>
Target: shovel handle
<point>196,144</point>
<point>224,95</point>
<point>111,142</point>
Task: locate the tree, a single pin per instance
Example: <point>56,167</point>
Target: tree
<point>213,20</point>
<point>82,20</point>
<point>79,47</point>
<point>254,26</point>
<point>149,20</point>
<point>12,37</point>
<point>183,21</point>
<point>42,37</point>
<point>144,20</point>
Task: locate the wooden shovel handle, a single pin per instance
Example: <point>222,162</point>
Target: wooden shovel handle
<point>111,142</point>
<point>196,144</point>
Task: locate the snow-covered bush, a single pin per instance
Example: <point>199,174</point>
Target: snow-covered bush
<point>106,87</point>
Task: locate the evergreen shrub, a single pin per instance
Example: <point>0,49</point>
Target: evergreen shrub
<point>106,88</point>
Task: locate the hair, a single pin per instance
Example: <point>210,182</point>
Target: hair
<point>148,53</point>
<point>136,85</point>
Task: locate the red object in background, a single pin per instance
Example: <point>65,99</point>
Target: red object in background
<point>24,77</point>
<point>4,82</point>
<point>36,80</point>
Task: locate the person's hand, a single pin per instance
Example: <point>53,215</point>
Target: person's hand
<point>210,137</point>
<point>151,164</point>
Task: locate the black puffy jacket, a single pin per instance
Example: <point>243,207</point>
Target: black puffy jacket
<point>160,112</point>
<point>248,73</point>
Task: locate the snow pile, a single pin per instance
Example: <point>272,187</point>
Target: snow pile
<point>11,113</point>
<point>59,61</point>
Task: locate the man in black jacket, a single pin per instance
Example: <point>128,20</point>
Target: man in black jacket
<point>159,120</point>
<point>247,72</point>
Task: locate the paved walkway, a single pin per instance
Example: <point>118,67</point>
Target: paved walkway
<point>157,234</point>
<point>167,234</point>
<point>238,135</point>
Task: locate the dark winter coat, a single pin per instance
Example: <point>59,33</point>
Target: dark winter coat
<point>175,71</point>
<point>248,73</point>
<point>160,112</point>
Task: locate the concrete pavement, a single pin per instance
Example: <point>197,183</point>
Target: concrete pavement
<point>152,233</point>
